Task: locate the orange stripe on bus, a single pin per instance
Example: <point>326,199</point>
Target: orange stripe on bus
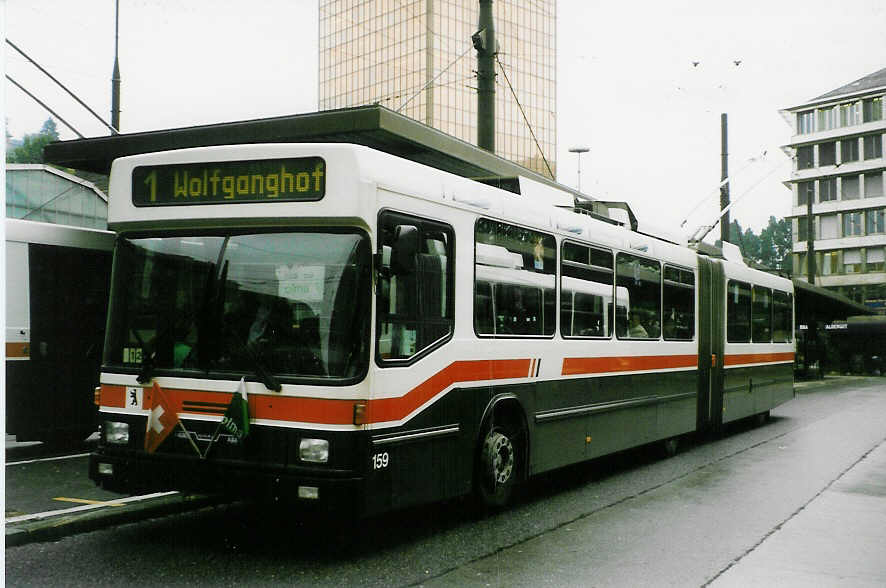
<point>114,396</point>
<point>18,349</point>
<point>329,411</point>
<point>601,365</point>
<point>392,409</point>
<point>743,358</point>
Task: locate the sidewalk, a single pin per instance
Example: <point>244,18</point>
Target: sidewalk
<point>837,539</point>
<point>54,524</point>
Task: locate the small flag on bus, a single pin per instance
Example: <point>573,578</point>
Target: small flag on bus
<point>236,419</point>
<point>161,421</point>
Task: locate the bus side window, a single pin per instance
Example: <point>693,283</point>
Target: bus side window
<point>638,290</point>
<point>413,285</point>
<point>738,312</point>
<point>586,287</point>
<point>761,314</point>
<point>782,317</point>
<point>678,294</point>
<point>515,281</point>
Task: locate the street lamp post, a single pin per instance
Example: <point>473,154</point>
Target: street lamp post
<point>579,151</point>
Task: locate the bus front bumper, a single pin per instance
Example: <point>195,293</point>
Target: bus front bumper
<point>293,486</point>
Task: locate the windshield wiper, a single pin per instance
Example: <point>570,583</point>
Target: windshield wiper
<point>147,365</point>
<point>260,370</point>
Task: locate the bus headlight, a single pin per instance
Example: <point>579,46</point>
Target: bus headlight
<point>314,450</point>
<point>116,433</point>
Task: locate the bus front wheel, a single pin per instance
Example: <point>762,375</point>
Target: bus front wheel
<point>497,466</point>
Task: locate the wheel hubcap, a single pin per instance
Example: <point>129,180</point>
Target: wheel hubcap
<point>500,452</point>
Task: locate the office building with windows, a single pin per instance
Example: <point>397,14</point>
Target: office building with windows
<point>837,147</point>
<point>416,57</point>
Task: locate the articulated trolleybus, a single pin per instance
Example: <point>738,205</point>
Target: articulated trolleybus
<point>403,335</point>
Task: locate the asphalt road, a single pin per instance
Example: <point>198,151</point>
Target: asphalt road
<point>635,519</point>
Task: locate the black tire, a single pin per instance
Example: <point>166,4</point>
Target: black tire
<point>498,463</point>
<point>670,446</point>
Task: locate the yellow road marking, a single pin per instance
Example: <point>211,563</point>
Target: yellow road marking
<point>85,501</point>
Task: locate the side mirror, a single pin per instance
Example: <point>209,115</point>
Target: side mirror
<point>404,249</point>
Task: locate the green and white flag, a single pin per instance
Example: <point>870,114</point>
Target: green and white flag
<point>236,419</point>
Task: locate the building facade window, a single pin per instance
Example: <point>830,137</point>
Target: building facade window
<point>830,226</point>
<point>873,109</point>
<point>829,263</point>
<point>852,224</point>
<point>849,188</point>
<point>803,229</point>
<point>873,185</point>
<point>849,150</point>
<point>876,260</point>
<point>827,153</point>
<point>873,146</point>
<point>827,118</point>
<point>805,122</point>
<point>827,189</point>
<point>805,193</point>
<point>850,114</point>
<point>800,267</point>
<point>875,224</point>
<point>805,157</point>
<point>852,261</point>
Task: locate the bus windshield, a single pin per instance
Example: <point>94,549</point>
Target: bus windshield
<point>294,305</point>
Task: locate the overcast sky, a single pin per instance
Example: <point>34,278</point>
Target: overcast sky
<point>626,86</point>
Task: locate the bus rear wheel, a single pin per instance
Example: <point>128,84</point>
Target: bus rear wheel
<point>497,466</point>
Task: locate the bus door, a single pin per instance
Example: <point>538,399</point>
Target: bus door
<point>711,339</point>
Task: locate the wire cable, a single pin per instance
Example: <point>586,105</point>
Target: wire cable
<point>38,101</point>
<point>526,120</point>
<point>434,79</point>
<point>51,77</point>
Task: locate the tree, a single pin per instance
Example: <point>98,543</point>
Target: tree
<point>31,150</point>
<point>775,245</point>
<point>772,248</point>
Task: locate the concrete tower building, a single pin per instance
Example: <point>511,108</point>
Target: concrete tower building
<point>839,165</point>
<point>416,57</point>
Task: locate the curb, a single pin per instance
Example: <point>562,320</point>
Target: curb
<point>55,528</point>
<point>38,449</point>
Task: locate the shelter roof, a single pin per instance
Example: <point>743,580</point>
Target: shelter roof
<point>373,126</point>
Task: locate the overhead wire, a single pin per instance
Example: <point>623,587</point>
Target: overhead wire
<point>62,86</point>
<point>434,79</point>
<point>525,119</point>
<point>44,105</point>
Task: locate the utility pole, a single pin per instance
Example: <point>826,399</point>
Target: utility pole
<point>810,237</point>
<point>813,351</point>
<point>724,174</point>
<point>485,44</point>
<point>115,77</point>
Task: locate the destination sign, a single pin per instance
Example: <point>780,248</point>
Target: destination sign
<point>226,182</point>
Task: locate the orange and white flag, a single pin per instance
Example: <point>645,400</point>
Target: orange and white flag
<point>161,421</point>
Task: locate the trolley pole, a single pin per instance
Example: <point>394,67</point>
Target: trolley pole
<point>485,44</point>
<point>724,174</point>
<point>115,77</point>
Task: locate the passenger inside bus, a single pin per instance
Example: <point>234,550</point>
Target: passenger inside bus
<point>186,339</point>
<point>636,330</point>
